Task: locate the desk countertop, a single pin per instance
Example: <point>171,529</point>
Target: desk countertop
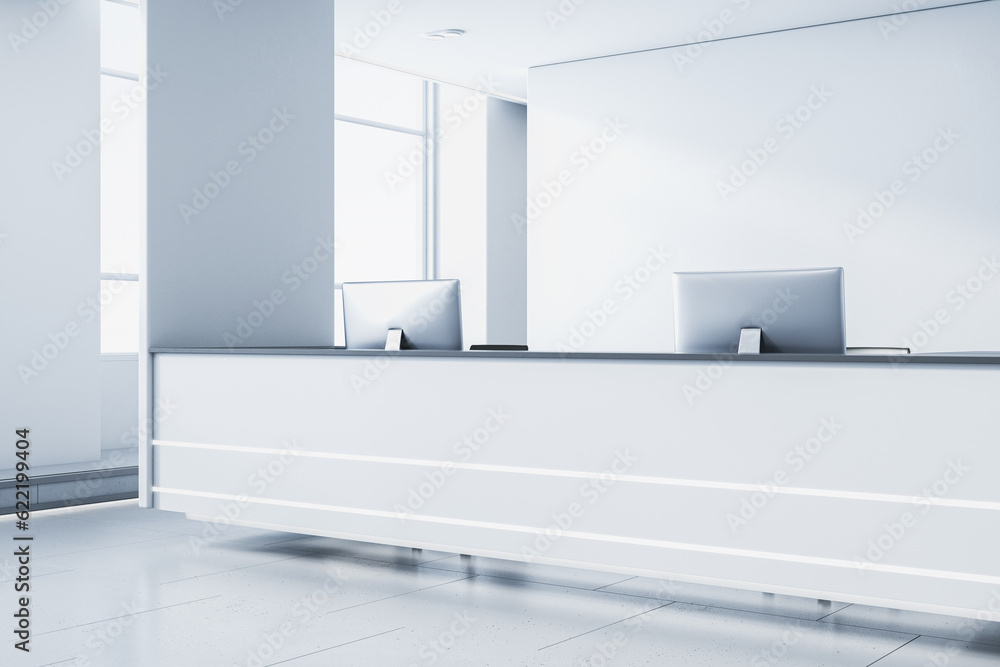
<point>951,358</point>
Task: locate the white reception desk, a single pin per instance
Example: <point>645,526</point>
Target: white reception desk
<point>861,479</point>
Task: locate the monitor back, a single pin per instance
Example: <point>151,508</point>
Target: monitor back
<point>428,311</point>
<point>798,310</point>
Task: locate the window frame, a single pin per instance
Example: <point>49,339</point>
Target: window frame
<point>104,275</point>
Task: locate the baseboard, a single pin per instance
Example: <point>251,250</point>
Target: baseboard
<point>72,489</point>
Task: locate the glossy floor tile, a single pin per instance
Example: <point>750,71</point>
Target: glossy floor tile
<point>934,652</point>
<point>727,598</point>
<point>474,619</point>
<point>167,559</point>
<point>913,622</point>
<point>57,536</point>
<point>114,585</point>
<point>684,634</point>
<point>102,597</point>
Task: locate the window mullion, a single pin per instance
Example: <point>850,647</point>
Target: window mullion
<point>432,124</point>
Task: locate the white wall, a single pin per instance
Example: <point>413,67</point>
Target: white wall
<point>50,229</point>
<point>462,191</point>
<point>249,91</point>
<point>482,163</point>
<point>674,129</point>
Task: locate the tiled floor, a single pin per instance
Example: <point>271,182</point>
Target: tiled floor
<point>116,585</point>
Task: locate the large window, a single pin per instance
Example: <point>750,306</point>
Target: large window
<point>123,111</point>
<point>384,222</point>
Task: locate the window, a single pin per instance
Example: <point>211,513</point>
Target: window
<point>123,116</point>
<point>372,214</point>
<point>383,199</point>
<point>410,184</point>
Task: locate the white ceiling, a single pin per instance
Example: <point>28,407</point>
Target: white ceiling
<point>505,37</point>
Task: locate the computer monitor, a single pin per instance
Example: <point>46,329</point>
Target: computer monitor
<point>792,311</point>
<point>404,314</point>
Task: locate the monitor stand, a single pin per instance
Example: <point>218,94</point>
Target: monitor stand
<point>394,340</point>
<point>751,341</point>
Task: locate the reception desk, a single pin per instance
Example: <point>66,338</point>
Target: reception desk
<point>853,478</point>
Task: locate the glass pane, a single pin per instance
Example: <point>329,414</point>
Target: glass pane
<point>376,93</point>
<point>123,111</point>
<point>378,211</point>
<point>119,316</point>
<point>462,206</point>
<point>120,37</point>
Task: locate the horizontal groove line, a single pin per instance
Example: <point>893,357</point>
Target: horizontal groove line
<point>599,537</point>
<point>638,479</point>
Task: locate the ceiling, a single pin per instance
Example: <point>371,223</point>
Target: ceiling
<point>505,37</point>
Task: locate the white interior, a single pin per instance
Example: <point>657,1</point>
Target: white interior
<point>585,244</point>
<point>685,129</point>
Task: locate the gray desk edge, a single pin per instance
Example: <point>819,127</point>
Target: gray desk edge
<point>971,358</point>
